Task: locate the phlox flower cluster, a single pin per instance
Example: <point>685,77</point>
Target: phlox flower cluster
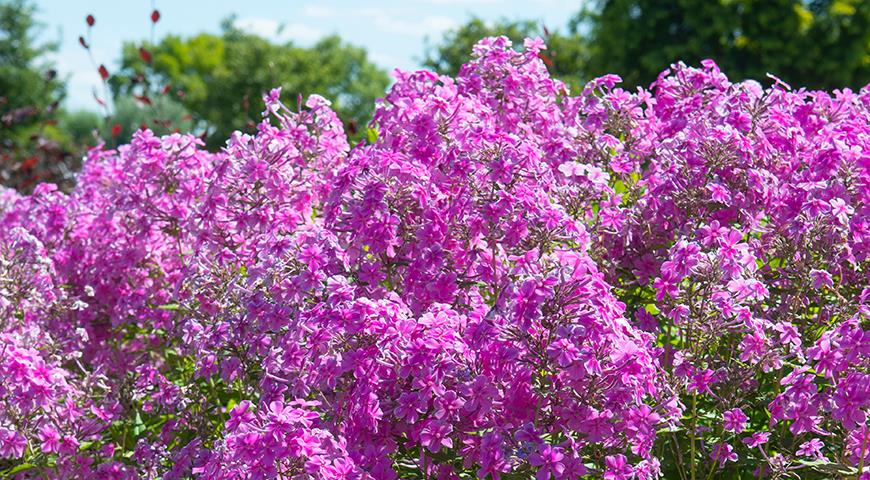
<point>505,280</point>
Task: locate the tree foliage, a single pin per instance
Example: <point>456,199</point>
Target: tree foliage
<point>163,116</point>
<point>452,52</point>
<point>220,78</point>
<point>31,147</point>
<point>81,126</point>
<point>29,87</point>
<point>812,43</point>
<point>565,55</point>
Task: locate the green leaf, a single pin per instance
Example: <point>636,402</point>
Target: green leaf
<point>19,468</point>
<point>826,466</point>
<point>619,187</point>
<point>371,135</point>
<point>138,425</point>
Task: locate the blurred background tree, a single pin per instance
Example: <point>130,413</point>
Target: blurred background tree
<point>82,126</point>
<point>220,79</point>
<point>162,115</point>
<point>822,44</point>
<point>565,56</point>
<point>32,148</point>
<point>818,44</point>
<point>30,90</point>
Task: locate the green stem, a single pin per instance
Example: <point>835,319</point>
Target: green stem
<point>863,452</point>
<point>692,432</point>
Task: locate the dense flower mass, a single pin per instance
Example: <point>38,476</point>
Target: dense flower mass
<point>505,280</point>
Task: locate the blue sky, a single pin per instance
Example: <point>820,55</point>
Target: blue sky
<point>394,32</point>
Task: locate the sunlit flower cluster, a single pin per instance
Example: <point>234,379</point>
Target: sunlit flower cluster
<point>504,280</point>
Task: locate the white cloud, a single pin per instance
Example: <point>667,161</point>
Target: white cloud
<point>301,32</point>
<point>572,4</point>
<point>461,2</point>
<point>420,27</point>
<point>259,26</point>
<point>390,62</point>
<point>267,28</point>
<point>402,21</point>
<point>318,11</point>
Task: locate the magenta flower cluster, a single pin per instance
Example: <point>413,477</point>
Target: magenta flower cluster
<point>505,280</point>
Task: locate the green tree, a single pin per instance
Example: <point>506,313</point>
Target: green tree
<point>454,49</point>
<point>32,147</point>
<point>80,125</point>
<point>565,54</point>
<point>163,116</point>
<point>29,88</point>
<point>811,43</point>
<point>220,78</point>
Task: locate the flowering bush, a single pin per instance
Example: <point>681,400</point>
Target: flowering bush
<point>504,281</point>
